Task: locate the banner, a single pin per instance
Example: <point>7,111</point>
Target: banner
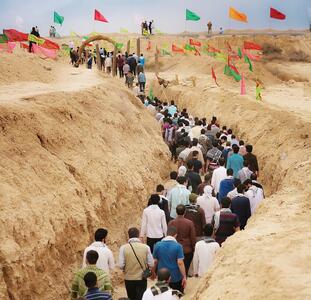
<point>15,36</point>
<point>35,39</point>
<point>44,52</point>
<point>191,16</point>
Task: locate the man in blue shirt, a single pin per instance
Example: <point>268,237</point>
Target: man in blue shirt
<point>226,185</point>
<point>235,161</point>
<point>93,292</point>
<point>169,254</point>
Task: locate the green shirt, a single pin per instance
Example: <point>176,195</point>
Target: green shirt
<point>78,287</point>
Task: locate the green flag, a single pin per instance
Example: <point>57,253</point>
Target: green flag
<point>151,96</point>
<point>3,39</point>
<point>119,46</point>
<point>239,52</point>
<point>191,16</point>
<point>189,47</point>
<point>247,60</point>
<point>229,72</point>
<point>58,19</point>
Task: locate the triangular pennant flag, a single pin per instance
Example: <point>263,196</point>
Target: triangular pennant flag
<point>189,47</point>
<point>177,49</point>
<point>239,52</point>
<point>58,19</point>
<point>236,15</point>
<point>191,16</point>
<point>214,76</point>
<point>99,17</point>
<point>243,87</point>
<point>229,72</point>
<point>251,45</point>
<point>275,14</point>
<point>192,42</point>
<point>212,49</point>
<point>247,60</point>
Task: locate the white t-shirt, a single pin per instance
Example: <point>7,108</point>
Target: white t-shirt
<point>153,223</point>
<point>209,205</point>
<point>105,257</point>
<point>233,194</point>
<point>255,196</point>
<point>164,296</point>
<point>203,257</point>
<point>219,174</point>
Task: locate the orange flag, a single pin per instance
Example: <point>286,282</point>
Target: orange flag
<point>236,15</point>
<point>177,49</point>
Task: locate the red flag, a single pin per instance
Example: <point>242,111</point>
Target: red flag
<point>251,45</point>
<point>214,76</point>
<point>50,45</point>
<point>194,43</point>
<point>24,46</point>
<point>99,17</point>
<point>275,14</point>
<point>15,36</point>
<point>177,49</point>
<point>233,67</point>
<point>212,49</point>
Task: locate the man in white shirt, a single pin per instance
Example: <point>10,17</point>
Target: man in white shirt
<point>161,290</point>
<point>204,252</point>
<point>178,195</point>
<point>245,172</point>
<point>208,203</point>
<point>254,194</point>
<point>183,155</point>
<point>105,257</point>
<point>153,222</point>
<point>218,175</point>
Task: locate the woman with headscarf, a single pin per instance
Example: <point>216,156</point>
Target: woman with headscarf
<point>209,203</point>
<point>182,171</point>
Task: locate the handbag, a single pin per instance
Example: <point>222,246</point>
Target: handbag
<point>146,271</point>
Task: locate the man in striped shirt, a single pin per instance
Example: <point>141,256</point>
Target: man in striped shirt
<point>93,292</point>
<point>79,288</point>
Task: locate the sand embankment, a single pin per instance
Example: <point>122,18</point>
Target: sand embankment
<point>71,161</point>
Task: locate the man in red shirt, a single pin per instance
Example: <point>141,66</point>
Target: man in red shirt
<point>186,234</point>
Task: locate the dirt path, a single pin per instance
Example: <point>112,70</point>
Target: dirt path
<point>68,80</point>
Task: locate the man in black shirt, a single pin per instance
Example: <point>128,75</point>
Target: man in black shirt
<point>194,179</point>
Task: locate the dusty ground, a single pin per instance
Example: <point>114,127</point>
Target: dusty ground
<point>70,163</point>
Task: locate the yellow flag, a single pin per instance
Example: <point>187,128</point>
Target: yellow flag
<point>123,30</point>
<point>73,34</point>
<point>236,15</point>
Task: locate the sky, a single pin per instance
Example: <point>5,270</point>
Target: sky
<point>169,15</point>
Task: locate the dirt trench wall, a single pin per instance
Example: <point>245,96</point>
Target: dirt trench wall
<point>69,164</point>
<point>271,258</point>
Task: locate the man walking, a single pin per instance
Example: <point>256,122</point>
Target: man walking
<point>134,258</point>
<point>204,251</point>
<point>105,257</point>
<point>225,222</point>
<point>219,174</point>
<point>78,288</point>
<point>240,206</point>
<point>226,185</point>
<point>178,195</point>
<point>185,234</point>
<point>153,222</point>
<point>169,254</point>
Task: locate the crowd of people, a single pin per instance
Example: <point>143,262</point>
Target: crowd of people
<point>129,65</point>
<point>186,220</point>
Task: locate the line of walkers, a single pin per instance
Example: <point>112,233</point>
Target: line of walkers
<point>186,220</point>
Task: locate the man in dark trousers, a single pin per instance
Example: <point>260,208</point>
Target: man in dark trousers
<point>186,235</point>
<point>193,177</point>
<point>240,206</point>
<point>252,159</point>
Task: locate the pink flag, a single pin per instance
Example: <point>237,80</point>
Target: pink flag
<point>44,52</point>
<point>243,87</point>
<point>8,47</point>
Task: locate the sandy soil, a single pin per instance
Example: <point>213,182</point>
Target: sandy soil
<point>74,156</point>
